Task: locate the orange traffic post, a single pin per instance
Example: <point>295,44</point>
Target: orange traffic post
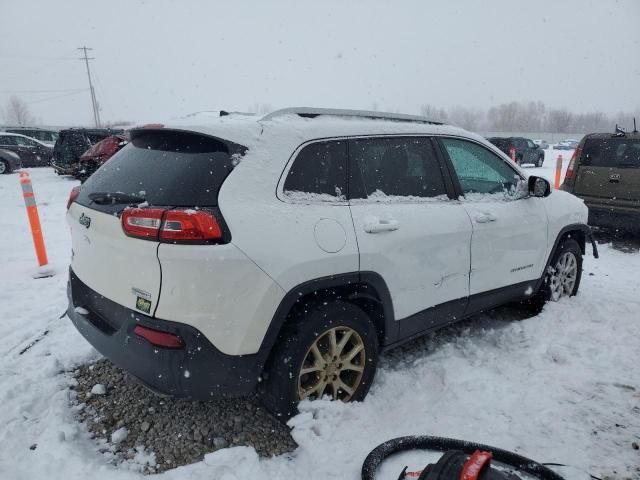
<point>558,171</point>
<point>34,218</point>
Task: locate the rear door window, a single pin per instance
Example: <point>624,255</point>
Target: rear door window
<point>319,172</point>
<point>166,168</point>
<point>618,152</point>
<point>388,168</point>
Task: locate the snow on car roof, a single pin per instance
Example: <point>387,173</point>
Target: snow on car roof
<point>249,129</point>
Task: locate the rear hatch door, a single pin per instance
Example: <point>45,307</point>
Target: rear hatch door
<point>609,171</point>
<point>158,169</point>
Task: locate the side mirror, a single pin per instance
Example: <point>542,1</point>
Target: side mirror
<point>539,187</point>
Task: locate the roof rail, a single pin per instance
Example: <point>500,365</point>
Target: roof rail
<point>309,112</point>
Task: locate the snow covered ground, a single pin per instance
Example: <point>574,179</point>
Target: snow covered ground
<point>563,386</point>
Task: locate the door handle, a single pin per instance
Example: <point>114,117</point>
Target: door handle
<point>485,218</point>
<point>381,225</point>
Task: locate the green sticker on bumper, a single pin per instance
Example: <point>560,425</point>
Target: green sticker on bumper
<point>143,304</point>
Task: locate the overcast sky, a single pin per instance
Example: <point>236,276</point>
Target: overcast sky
<point>159,59</point>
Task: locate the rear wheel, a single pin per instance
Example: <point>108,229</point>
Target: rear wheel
<point>329,351</point>
<point>4,167</point>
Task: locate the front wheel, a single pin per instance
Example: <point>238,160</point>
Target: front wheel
<point>328,351</point>
<point>540,161</point>
<point>4,167</point>
<point>563,275</point>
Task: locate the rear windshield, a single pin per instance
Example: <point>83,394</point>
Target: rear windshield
<point>165,168</point>
<point>617,152</point>
<point>500,142</point>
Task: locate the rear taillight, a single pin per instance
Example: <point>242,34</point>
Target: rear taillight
<point>572,164</point>
<point>75,191</point>
<point>158,338</point>
<point>190,226</point>
<point>142,222</point>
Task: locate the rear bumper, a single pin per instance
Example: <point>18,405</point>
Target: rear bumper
<point>614,217</point>
<point>64,169</point>
<point>197,371</point>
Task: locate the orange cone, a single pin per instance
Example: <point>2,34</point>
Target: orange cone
<point>558,171</point>
<point>34,218</point>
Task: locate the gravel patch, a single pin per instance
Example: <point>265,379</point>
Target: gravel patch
<point>156,433</point>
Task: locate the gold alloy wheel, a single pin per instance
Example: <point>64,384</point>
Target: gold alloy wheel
<point>333,365</point>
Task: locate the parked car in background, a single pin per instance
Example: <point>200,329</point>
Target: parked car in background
<point>72,143</point>
<point>99,153</point>
<point>9,161</point>
<point>526,152</point>
<point>43,135</point>
<point>32,153</point>
<point>171,277</point>
<point>605,172</point>
<point>569,144</point>
<point>543,144</point>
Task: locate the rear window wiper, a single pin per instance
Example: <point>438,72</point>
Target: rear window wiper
<point>114,198</point>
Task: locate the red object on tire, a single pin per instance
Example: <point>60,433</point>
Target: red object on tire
<point>474,466</point>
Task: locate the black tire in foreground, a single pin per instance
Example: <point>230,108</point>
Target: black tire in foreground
<point>329,350</point>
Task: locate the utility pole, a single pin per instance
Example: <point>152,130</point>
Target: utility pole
<point>94,102</point>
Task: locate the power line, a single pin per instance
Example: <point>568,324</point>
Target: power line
<point>58,96</point>
<point>94,102</point>
<point>45,91</point>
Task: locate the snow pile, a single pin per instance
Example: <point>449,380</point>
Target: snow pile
<point>119,435</point>
<point>99,389</point>
<point>563,386</point>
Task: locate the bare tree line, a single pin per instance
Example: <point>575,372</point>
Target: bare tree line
<point>527,117</point>
<point>506,117</point>
<point>17,112</point>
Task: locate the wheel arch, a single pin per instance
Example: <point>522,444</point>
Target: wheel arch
<point>366,290</point>
<point>577,231</point>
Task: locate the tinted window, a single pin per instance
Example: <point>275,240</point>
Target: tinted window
<point>478,169</point>
<point>167,168</point>
<point>319,168</point>
<point>611,152</point>
<point>530,144</point>
<point>7,140</point>
<point>405,167</point>
<point>96,137</point>
<point>501,143</point>
<point>25,141</point>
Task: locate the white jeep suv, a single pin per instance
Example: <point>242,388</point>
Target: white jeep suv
<point>286,252</point>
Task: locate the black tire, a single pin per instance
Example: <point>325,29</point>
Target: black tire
<point>279,390</point>
<point>540,161</point>
<point>5,167</point>
<point>545,294</point>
